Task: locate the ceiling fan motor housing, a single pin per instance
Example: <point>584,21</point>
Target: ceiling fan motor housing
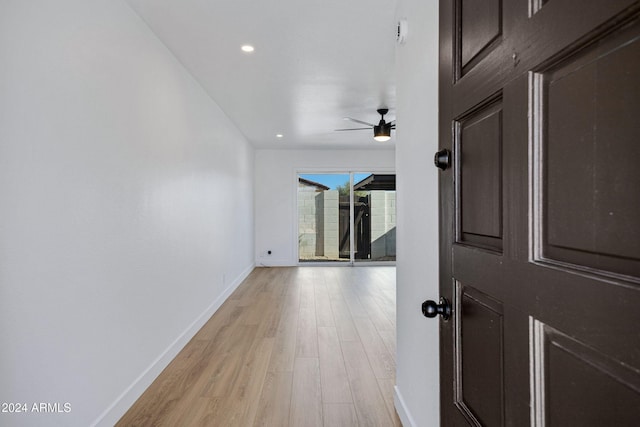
<point>382,130</point>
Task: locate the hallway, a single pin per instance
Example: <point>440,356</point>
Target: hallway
<point>294,346</point>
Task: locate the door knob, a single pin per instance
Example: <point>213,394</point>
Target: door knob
<point>442,159</point>
<point>432,309</point>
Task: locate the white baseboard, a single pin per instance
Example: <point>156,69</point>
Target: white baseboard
<point>120,406</point>
<point>272,262</point>
<point>401,408</point>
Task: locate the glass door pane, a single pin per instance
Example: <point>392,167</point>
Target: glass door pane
<point>324,218</point>
<point>374,217</point>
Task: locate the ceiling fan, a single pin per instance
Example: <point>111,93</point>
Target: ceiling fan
<point>381,131</point>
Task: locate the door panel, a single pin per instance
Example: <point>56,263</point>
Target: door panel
<point>479,144</point>
<point>540,237</point>
<point>587,101</point>
<point>571,382</point>
<point>479,331</point>
<point>479,25</point>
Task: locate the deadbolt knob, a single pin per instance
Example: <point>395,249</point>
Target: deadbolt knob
<point>442,159</point>
<point>431,308</point>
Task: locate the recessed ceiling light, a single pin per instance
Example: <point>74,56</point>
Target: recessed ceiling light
<point>279,135</point>
<point>247,48</point>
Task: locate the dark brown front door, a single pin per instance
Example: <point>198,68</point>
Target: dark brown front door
<point>540,212</point>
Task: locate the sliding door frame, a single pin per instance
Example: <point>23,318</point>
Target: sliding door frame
<point>344,171</point>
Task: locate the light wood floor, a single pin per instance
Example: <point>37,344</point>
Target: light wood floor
<point>295,346</point>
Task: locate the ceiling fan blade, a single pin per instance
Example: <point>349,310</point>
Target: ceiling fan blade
<point>359,121</point>
<point>339,130</point>
<point>392,123</point>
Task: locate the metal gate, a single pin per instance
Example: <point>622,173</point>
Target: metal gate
<point>362,227</point>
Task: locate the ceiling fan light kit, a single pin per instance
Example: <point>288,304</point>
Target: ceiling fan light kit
<point>382,133</point>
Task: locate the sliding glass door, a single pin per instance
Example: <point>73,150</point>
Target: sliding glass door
<point>323,218</point>
<point>346,217</point>
<point>374,217</point>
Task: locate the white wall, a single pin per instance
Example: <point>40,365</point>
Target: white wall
<point>126,208</point>
<point>276,189</point>
<point>417,390</point>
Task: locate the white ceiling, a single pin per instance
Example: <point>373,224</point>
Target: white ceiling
<point>315,62</point>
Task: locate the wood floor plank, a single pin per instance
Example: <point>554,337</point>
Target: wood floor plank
<point>202,412</point>
<point>353,302</point>
<point>386,301</point>
<point>335,384</point>
<point>292,346</point>
<point>343,320</point>
<point>246,390</point>
<point>368,401</point>
<point>227,364</point>
<point>200,376</point>
<point>389,340</point>
<point>226,314</point>
<point>270,319</point>
<point>324,316</point>
<point>307,335</point>
<point>340,415</point>
<point>244,293</point>
<point>275,400</point>
<point>376,313</point>
<point>377,353</point>
<point>306,395</point>
<point>241,401</point>
<point>284,351</point>
<point>163,395</point>
<point>334,285</point>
